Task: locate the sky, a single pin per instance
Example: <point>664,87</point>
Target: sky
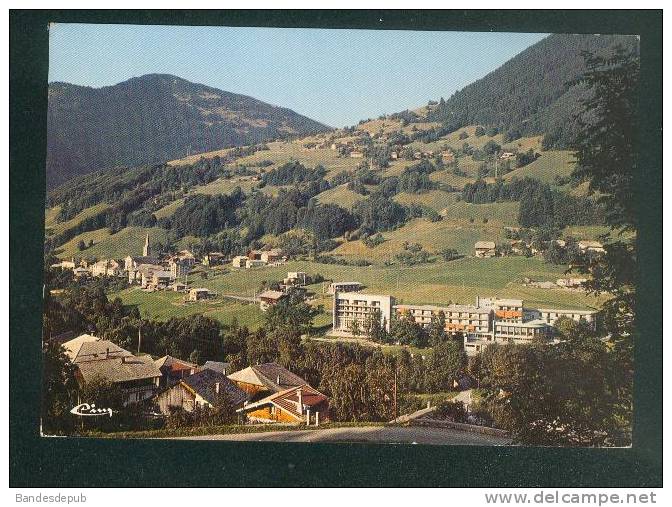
<point>337,77</point>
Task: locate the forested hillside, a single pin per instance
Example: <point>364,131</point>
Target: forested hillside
<point>530,94</point>
<point>154,118</point>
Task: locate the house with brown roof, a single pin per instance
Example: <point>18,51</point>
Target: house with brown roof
<point>173,369</point>
<point>95,359</point>
<point>300,404</point>
<point>205,389</point>
<point>485,249</point>
<point>264,379</point>
<point>270,298</point>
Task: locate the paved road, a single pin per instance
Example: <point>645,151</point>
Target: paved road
<point>379,434</point>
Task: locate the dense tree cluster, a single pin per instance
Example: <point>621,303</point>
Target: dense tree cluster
<point>291,173</point>
<point>511,99</point>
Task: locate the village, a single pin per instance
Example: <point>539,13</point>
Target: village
<point>268,393</point>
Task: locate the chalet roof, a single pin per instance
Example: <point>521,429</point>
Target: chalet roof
<point>205,382</point>
<point>272,376</point>
<point>288,400</point>
<point>119,368</point>
<point>173,364</point>
<point>272,294</point>
<point>143,259</point>
<point>488,245</point>
<point>161,274</point>
<point>73,346</point>
<point>217,366</point>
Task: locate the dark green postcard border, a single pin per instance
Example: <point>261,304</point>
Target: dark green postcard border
<point>57,462</point>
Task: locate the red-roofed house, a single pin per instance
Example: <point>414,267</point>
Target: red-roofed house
<point>294,405</point>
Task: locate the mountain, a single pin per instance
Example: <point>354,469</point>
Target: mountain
<point>530,92</point>
<point>154,118</point>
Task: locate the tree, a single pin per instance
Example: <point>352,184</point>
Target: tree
<point>58,388</point>
<point>81,245</point>
<point>480,131</point>
<point>445,365</point>
<point>437,329</point>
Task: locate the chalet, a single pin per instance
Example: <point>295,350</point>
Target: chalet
<point>179,286</point>
<point>485,249</point>
<point>272,255</point>
<point>65,264</point>
<point>161,279</point>
<point>254,263</point>
<point>270,298</point>
<point>262,380</point>
<point>106,267</point>
<point>214,259</point>
<point>173,370</point>
<point>198,294</point>
<point>239,261</point>
<point>185,257</point>
<point>81,272</point>
<point>137,376</point>
<point>296,278</point>
<point>133,262</point>
<point>301,404</point>
<point>571,282</point>
<point>394,155</point>
<point>591,246</point>
<point>254,255</point>
<point>204,389</point>
<point>179,267</point>
<point>356,154</point>
<point>506,155</point>
<point>143,274</point>
<point>344,287</point>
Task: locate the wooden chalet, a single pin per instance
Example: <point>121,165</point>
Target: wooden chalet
<point>294,405</point>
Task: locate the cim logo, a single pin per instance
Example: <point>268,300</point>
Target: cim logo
<point>86,410</point>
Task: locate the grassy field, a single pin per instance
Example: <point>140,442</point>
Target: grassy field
<point>340,195</point>
<point>169,209</point>
<point>436,283</point>
<point>546,167</point>
<point>435,199</point>
<point>128,241</point>
<point>54,227</point>
<point>162,305</point>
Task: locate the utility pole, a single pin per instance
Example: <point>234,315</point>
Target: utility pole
<point>395,392</point>
<point>139,337</point>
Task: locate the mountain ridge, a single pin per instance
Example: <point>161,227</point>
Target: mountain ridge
<point>154,118</point>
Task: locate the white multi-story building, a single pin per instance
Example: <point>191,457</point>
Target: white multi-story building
<point>459,318</point>
<point>352,307</point>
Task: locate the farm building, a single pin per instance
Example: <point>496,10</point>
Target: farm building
<point>198,294</point>
<point>485,249</point>
<point>214,259</point>
<point>591,246</point>
<point>294,405</point>
<point>239,261</point>
<point>272,255</point>
<point>270,298</point>
<point>205,388</point>
<point>344,287</point>
<point>106,267</point>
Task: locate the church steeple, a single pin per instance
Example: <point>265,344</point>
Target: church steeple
<point>145,249</point>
